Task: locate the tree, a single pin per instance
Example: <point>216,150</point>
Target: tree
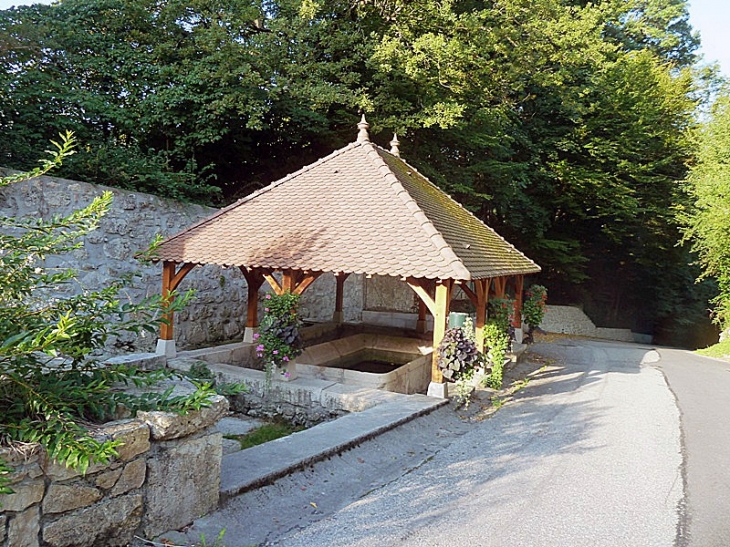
<point>707,222</point>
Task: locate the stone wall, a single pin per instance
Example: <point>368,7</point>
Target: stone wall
<point>218,311</point>
<point>572,320</point>
<point>166,475</point>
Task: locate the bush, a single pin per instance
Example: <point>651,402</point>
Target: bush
<point>278,336</point>
<point>457,355</point>
<point>533,308</point>
<point>50,382</point>
<point>496,344</point>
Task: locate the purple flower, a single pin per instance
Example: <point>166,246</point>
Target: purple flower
<point>259,355</point>
<point>286,358</point>
<point>286,374</point>
<point>260,347</point>
<point>275,352</point>
<point>256,335</point>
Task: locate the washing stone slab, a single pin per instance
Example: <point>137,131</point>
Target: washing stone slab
<point>255,467</point>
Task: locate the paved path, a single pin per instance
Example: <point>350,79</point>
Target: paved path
<point>588,455</point>
<point>702,388</point>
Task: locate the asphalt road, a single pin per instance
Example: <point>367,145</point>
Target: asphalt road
<point>589,454</point>
<point>702,388</point>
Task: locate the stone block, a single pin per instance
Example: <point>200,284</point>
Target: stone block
<point>169,425</point>
<point>110,523</point>
<point>24,528</point>
<point>108,479</point>
<point>132,477</point>
<point>26,494</point>
<point>133,433</point>
<point>61,498</point>
<point>183,482</point>
<point>3,528</point>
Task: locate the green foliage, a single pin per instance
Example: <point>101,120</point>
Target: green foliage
<point>278,336</point>
<point>720,350</point>
<point>561,124</point>
<point>501,311</point>
<point>201,371</point>
<point>51,385</point>
<point>533,308</point>
<point>265,433</point>
<point>707,222</point>
<point>457,355</point>
<point>496,344</point>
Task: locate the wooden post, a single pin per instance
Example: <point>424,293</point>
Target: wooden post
<point>170,280</point>
<point>168,274</point>
<point>519,287</point>
<point>421,323</point>
<point>254,280</point>
<point>440,317</point>
<point>338,315</point>
<point>482,294</point>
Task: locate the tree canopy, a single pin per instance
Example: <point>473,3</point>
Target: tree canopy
<point>562,123</point>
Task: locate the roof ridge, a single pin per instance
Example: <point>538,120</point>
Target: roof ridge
<point>261,191</point>
<point>472,215</point>
<point>433,234</point>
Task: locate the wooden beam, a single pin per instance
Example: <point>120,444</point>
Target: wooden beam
<point>170,280</point>
<point>469,292</point>
<point>519,287</point>
<point>482,295</point>
<point>268,275</point>
<point>442,299</point>
<point>304,281</point>
<point>254,280</point>
<point>500,286</point>
<point>422,288</point>
<point>340,290</point>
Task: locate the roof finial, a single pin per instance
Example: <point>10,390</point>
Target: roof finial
<point>363,126</point>
<point>394,146</point>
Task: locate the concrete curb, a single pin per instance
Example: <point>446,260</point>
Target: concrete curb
<point>261,465</point>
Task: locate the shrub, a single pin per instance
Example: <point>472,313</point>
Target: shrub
<point>278,336</point>
<point>496,344</point>
<point>50,381</point>
<point>457,355</point>
<point>501,311</point>
<point>533,308</point>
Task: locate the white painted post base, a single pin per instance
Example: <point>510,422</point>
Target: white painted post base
<point>248,334</point>
<point>519,335</point>
<point>421,326</point>
<point>438,390</point>
<point>166,348</point>
<point>291,372</point>
<point>338,317</point>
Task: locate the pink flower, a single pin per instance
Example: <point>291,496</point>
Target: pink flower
<point>275,352</point>
<point>256,335</point>
<point>260,347</point>
<point>259,355</point>
<point>266,309</point>
<point>286,374</point>
<point>268,297</point>
<point>286,358</point>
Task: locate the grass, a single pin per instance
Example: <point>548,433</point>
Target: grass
<point>720,351</point>
<point>271,431</point>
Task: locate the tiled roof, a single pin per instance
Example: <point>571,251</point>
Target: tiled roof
<point>358,210</point>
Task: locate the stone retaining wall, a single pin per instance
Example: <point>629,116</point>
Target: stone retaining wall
<point>218,311</point>
<point>166,475</point>
<point>572,320</point>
